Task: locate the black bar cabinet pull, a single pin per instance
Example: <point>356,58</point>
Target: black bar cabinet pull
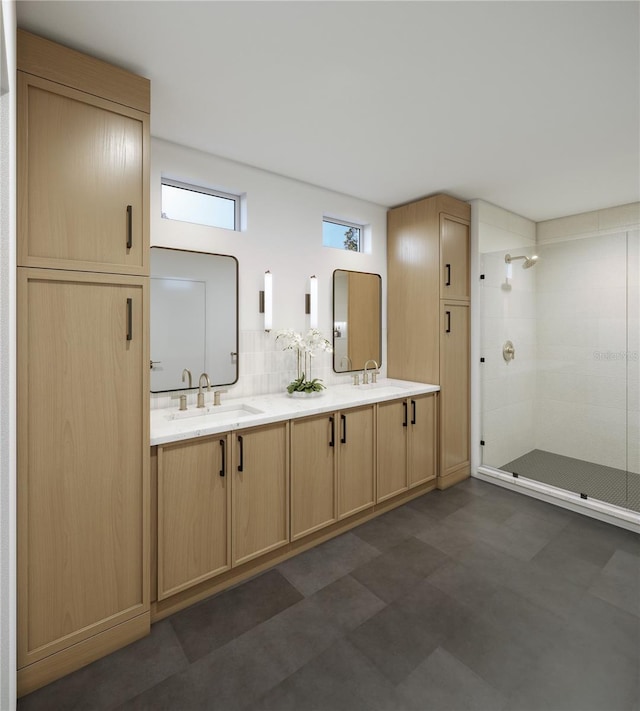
<point>129,319</point>
<point>343,420</point>
<point>448,268</point>
<point>129,226</point>
<point>223,444</point>
<point>448,313</point>
<point>404,405</point>
<point>413,412</point>
<point>332,441</point>
<point>241,444</point>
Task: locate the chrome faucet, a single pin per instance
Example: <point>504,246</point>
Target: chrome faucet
<point>200,393</point>
<point>374,374</point>
<point>187,373</point>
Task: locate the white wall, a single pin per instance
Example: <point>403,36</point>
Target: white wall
<point>283,233</point>
<point>7,357</point>
<point>507,390</point>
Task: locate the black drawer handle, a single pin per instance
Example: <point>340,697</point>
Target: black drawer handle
<point>332,441</point>
<point>223,444</point>
<point>448,329</point>
<point>404,421</point>
<point>129,226</point>
<point>241,445</point>
<point>129,319</point>
<point>343,420</point>
<point>448,268</point>
<point>413,412</point>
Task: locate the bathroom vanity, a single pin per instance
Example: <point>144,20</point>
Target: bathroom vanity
<point>240,487</point>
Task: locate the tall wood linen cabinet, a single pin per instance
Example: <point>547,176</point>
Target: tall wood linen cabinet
<point>83,360</point>
<point>428,315</point>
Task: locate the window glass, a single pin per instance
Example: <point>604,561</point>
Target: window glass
<point>342,235</point>
<point>190,203</point>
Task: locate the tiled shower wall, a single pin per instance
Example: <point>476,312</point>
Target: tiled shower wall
<point>588,352</point>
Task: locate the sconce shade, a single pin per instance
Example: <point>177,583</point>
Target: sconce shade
<point>313,302</point>
<point>266,301</point>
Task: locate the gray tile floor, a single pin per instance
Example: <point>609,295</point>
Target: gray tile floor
<point>615,486</point>
<point>472,598</point>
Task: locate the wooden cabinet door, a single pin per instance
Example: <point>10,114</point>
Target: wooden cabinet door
<point>83,457</point>
<point>355,434</point>
<point>454,258</point>
<point>193,513</point>
<point>454,388</point>
<point>422,440</point>
<point>313,474</point>
<point>260,491</point>
<point>82,180</point>
<point>413,248</point>
<point>391,447</point>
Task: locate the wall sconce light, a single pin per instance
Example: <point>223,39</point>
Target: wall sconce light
<point>311,302</point>
<point>266,301</point>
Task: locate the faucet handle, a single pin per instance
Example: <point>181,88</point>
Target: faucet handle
<point>216,396</point>
<point>356,378</point>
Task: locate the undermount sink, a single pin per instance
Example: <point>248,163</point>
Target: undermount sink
<point>216,412</point>
<point>381,388</point>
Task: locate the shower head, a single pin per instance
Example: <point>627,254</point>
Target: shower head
<point>528,261</point>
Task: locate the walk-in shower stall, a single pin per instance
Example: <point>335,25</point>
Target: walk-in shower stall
<point>559,361</point>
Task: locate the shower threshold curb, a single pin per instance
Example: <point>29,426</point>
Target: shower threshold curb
<point>602,511</point>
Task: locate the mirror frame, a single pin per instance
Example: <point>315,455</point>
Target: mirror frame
<point>354,271</point>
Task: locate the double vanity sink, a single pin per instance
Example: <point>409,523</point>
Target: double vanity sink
<point>171,424</point>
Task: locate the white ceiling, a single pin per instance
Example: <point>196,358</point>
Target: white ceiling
<point>533,106</point>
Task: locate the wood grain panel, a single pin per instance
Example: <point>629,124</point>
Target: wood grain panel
<point>423,439</point>
<point>454,258</point>
<point>81,162</point>
<point>392,442</point>
<point>313,474</point>
<point>83,457</point>
<point>193,513</point>
<point>260,492</point>
<point>356,466</point>
<point>454,394</point>
<point>413,258</point>
<point>47,59</point>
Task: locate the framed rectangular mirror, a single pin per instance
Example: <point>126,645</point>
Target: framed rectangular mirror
<point>357,319</point>
<point>194,318</point>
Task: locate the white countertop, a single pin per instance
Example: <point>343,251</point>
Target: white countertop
<point>168,425</point>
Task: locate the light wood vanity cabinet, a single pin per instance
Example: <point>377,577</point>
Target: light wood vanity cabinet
<point>194,515</point>
<point>82,163</point>
<point>332,468</point>
<point>260,491</point>
<point>314,493</point>
<point>83,360</point>
<point>407,444</point>
<point>428,252</point>
<point>355,440</point>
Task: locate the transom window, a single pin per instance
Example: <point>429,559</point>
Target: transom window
<point>342,235</point>
<point>203,206</point>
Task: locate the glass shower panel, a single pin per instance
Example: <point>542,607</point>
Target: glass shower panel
<point>633,370</point>
<point>508,315</point>
<point>562,411</point>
